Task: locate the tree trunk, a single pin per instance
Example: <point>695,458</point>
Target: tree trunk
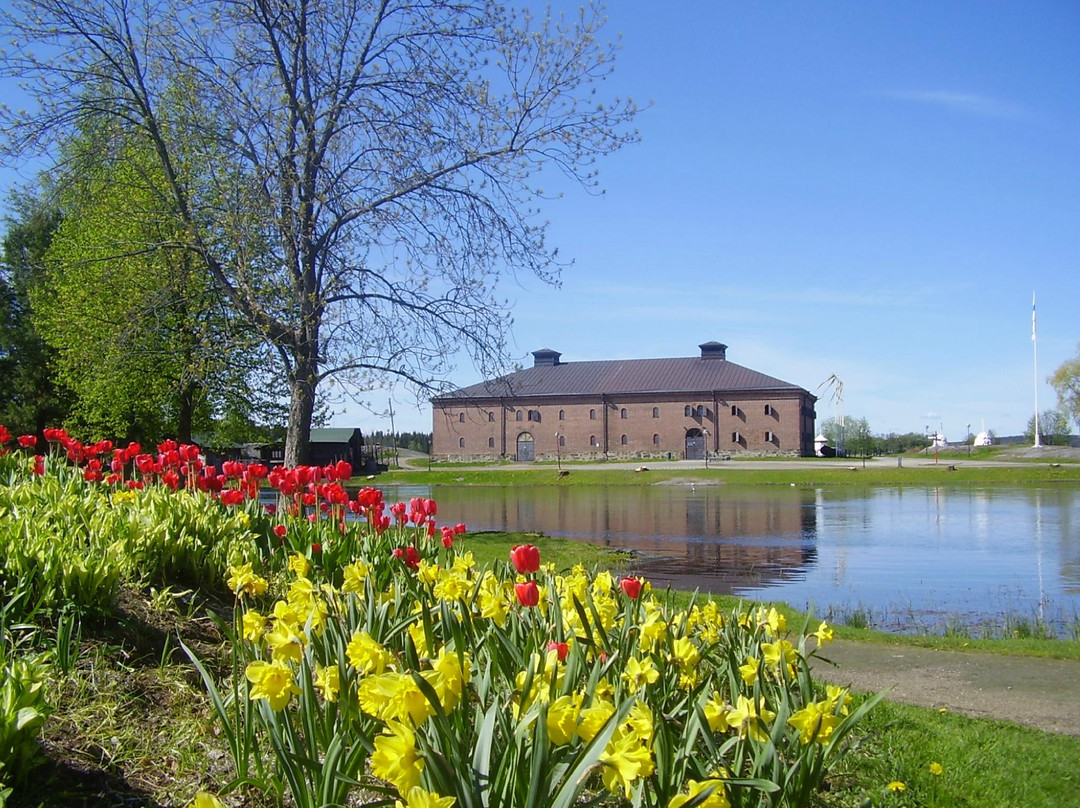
<point>185,413</point>
<point>301,408</point>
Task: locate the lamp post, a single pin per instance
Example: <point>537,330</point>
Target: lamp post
<point>705,432</point>
<point>970,440</point>
<point>558,451</point>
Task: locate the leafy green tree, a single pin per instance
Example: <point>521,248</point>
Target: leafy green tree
<point>139,333</point>
<point>30,397</point>
<point>1066,383</point>
<point>385,153</point>
<point>1053,428</point>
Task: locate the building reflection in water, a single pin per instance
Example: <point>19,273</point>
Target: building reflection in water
<point>711,538</point>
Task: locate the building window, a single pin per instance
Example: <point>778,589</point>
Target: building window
<point>768,437</point>
<point>622,413</point>
<point>562,440</point>
<point>491,443</point>
<point>491,417</point>
<point>655,412</point>
<point>592,440</point>
<point>655,440</point>
<point>734,410</point>
<point>592,415</point>
<point>624,440</point>
<point>700,410</point>
<point>461,417</point>
<point>534,415</point>
<point>768,409</point>
<point>735,437</point>
<point>688,411</point>
<point>461,443</point>
<point>562,415</point>
<point>519,415</point>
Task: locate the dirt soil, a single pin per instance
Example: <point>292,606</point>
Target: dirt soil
<point>1039,693</point>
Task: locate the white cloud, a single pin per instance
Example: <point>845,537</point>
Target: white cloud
<point>970,103</point>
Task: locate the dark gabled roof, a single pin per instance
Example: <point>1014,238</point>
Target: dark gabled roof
<point>624,376</point>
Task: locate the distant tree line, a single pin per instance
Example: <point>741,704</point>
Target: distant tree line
<point>414,441</point>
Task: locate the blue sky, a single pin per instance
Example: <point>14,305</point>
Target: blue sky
<point>871,190</point>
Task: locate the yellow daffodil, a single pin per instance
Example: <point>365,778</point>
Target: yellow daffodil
<point>272,681</point>
<point>327,681</point>
<point>284,642</point>
<point>815,722</point>
<point>716,713</point>
<point>750,719</point>
<point>253,625</point>
<point>366,654</point>
<point>625,760</point>
<point>592,719</point>
<point>749,671</point>
<point>775,622</point>
<point>418,798</point>
<point>824,633</point>
<point>204,799</point>
<point>355,576</point>
<point>839,698</point>
<point>639,673</point>
<point>243,581</point>
<point>716,799</point>
<point>640,722</point>
<point>448,676</point>
<point>686,653</point>
<point>463,562</point>
<point>562,718</point>
<point>396,758</point>
<point>393,697</point>
<point>299,564</point>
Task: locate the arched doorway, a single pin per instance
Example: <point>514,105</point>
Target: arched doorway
<point>526,453</point>
<point>695,444</point>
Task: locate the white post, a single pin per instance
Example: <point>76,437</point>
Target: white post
<point>1035,353</point>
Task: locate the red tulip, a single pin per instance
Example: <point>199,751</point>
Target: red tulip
<point>232,497</point>
<point>280,531</point>
<point>525,557</point>
<point>528,593</point>
<point>632,587</point>
<point>39,465</point>
<point>448,537</point>
<point>409,556</point>
<point>28,441</point>
<point>561,648</point>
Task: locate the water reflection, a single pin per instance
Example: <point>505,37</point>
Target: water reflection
<point>922,554</point>
<point>710,537</point>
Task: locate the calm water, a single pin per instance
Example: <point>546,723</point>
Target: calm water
<point>911,558</point>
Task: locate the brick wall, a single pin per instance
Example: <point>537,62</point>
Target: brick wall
<point>622,426</point>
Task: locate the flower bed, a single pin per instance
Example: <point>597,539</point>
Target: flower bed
<point>371,655</point>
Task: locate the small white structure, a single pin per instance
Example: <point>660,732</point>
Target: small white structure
<point>937,441</point>
<point>984,439</point>
<point>820,442</point>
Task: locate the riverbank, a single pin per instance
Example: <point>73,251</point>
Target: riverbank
<point>1058,465</point>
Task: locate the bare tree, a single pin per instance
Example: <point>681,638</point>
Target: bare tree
<point>372,161</point>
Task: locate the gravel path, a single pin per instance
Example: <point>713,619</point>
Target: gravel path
<point>1040,693</point>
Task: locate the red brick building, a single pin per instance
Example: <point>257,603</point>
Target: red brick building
<point>622,409</point>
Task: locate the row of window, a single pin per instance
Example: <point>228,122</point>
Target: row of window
<point>736,437</point>
<point>689,411</point>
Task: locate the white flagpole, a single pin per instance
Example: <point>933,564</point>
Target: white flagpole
<point>1035,352</point>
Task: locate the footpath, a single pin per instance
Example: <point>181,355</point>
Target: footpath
<point>1039,693</point>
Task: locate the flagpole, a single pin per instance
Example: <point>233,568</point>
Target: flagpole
<point>1035,356</point>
